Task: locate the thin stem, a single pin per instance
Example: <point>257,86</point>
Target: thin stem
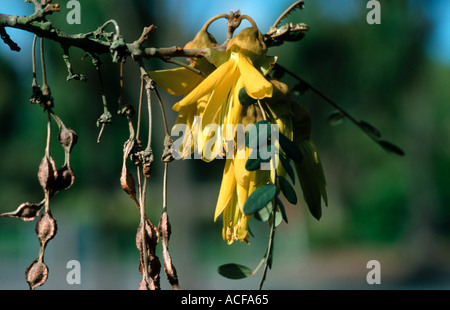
<point>181,64</point>
<point>141,99</point>
<point>213,19</point>
<point>121,78</point>
<point>288,10</point>
<point>269,247</point>
<point>252,22</point>
<point>49,132</point>
<point>320,94</point>
<point>111,21</point>
<point>33,57</point>
<point>44,74</point>
<point>166,128</point>
<point>166,168</point>
<point>143,234</point>
<point>262,110</point>
<point>149,108</point>
<point>148,88</point>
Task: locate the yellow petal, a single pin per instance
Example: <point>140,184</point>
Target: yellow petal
<point>212,82</point>
<point>242,195</point>
<point>179,81</point>
<point>226,189</point>
<point>243,227</point>
<point>255,84</point>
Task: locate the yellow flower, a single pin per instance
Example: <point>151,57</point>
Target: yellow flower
<point>215,99</point>
<point>237,185</point>
<point>221,89</point>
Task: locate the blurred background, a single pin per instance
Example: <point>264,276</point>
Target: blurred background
<point>383,207</point>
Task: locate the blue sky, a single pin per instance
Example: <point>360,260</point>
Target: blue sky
<point>265,12</point>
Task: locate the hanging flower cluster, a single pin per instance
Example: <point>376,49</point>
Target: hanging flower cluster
<point>238,90</point>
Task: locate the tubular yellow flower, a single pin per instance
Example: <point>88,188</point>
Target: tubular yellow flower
<point>223,86</point>
<point>215,99</point>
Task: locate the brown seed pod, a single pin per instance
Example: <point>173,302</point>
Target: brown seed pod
<point>127,182</point>
<point>64,178</point>
<point>147,168</point>
<point>27,211</point>
<point>67,138</point>
<point>45,228</point>
<point>47,173</point>
<point>36,274</point>
<point>152,262</point>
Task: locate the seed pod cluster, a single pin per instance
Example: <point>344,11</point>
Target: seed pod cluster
<point>52,181</point>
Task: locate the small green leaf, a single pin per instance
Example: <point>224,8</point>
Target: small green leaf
<point>259,198</point>
<point>263,215</point>
<point>289,147</point>
<point>253,164</point>
<point>265,63</point>
<point>253,135</point>
<point>254,161</point>
<point>282,210</point>
<point>287,190</point>
<point>287,166</point>
<point>336,118</point>
<point>369,129</point>
<point>234,271</point>
<point>392,148</point>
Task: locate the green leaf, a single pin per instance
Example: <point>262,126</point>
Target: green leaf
<point>234,271</point>
<point>287,190</point>
<point>259,198</point>
<point>312,178</point>
<point>287,166</point>
<point>282,210</point>
<point>265,63</point>
<point>252,138</point>
<point>263,215</point>
<point>289,147</point>
<point>369,129</point>
<point>216,57</point>
<point>336,118</point>
<point>253,164</point>
<point>392,148</point>
<point>254,161</point>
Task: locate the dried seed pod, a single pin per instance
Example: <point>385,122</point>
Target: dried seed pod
<point>45,228</point>
<point>127,183</point>
<point>170,270</point>
<point>27,211</point>
<point>151,235</point>
<point>151,262</point>
<point>36,274</point>
<point>47,173</point>
<point>67,138</point>
<point>147,168</point>
<point>64,178</point>
<point>143,286</point>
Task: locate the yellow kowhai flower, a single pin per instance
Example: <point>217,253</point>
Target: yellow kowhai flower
<point>216,100</point>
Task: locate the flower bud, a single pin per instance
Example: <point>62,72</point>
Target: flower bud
<point>249,40</point>
<point>203,39</point>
